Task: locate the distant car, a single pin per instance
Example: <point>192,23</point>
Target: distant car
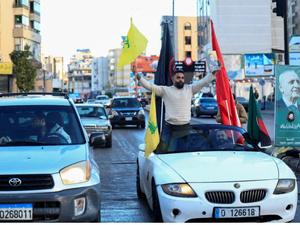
<point>189,178</point>
<point>94,119</point>
<point>90,101</point>
<point>126,111</point>
<point>205,106</point>
<point>103,99</point>
<point>243,101</point>
<point>144,101</point>
<point>78,100</point>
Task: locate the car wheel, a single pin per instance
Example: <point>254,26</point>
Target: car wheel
<point>98,219</point>
<point>156,207</point>
<point>143,125</point>
<point>108,143</point>
<point>197,114</point>
<point>139,192</point>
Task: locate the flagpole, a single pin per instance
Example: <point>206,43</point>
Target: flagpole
<point>136,90</point>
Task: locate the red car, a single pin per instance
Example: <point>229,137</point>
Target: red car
<point>78,100</point>
<point>144,101</point>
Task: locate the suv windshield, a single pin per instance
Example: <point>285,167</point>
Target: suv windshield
<point>34,125</point>
<point>126,103</point>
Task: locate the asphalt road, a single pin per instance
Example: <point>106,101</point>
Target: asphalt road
<point>120,203</point>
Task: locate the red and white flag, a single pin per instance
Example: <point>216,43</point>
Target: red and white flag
<point>225,99</point>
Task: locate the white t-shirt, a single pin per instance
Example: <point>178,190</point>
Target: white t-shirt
<point>177,101</point>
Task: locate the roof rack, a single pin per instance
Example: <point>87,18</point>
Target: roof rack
<point>65,95</point>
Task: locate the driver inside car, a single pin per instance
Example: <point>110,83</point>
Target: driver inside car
<point>222,139</point>
<point>46,128</point>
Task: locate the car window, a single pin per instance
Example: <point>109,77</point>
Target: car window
<point>203,139</point>
<point>61,123</point>
<point>208,100</point>
<point>102,98</point>
<point>240,99</point>
<point>91,111</point>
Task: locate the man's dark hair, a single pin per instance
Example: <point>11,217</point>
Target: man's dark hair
<point>40,115</point>
<point>178,71</point>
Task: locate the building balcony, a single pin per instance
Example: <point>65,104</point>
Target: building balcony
<point>22,31</point>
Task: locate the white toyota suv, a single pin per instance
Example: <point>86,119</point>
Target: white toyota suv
<point>48,172</point>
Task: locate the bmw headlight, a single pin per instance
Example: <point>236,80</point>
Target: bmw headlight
<point>284,186</point>
<point>76,173</point>
<point>179,190</point>
<point>141,112</point>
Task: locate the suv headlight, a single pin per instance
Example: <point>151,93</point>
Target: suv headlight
<point>103,129</point>
<point>114,113</point>
<point>284,186</point>
<point>76,173</point>
<point>141,112</point>
<point>179,190</point>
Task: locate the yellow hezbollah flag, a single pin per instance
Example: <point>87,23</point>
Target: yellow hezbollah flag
<point>152,135</point>
<point>134,44</point>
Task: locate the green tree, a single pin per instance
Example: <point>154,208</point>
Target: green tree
<point>24,69</point>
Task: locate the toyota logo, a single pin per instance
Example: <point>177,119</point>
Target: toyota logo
<point>15,182</point>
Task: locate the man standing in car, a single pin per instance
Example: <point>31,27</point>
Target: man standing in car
<point>177,98</point>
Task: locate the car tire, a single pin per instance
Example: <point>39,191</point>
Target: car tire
<point>155,203</point>
<point>98,217</point>
<point>143,125</point>
<point>108,143</point>
<point>139,192</point>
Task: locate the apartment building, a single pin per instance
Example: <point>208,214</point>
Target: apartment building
<point>79,72</point>
<point>19,25</point>
<point>100,74</point>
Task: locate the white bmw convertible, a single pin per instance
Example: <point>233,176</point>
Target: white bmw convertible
<point>215,173</point>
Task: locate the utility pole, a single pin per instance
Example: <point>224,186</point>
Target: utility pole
<point>286,33</point>
<point>281,10</point>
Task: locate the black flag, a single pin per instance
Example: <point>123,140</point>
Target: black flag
<point>164,72</point>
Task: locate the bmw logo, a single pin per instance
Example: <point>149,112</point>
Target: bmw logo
<point>15,182</point>
<point>237,185</point>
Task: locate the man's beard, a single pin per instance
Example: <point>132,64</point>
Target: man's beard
<point>179,84</point>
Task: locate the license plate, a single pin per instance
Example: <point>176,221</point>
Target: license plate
<point>210,107</point>
<point>15,211</point>
<point>128,118</point>
<point>236,212</point>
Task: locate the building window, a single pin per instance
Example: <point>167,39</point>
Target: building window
<point>35,25</point>
<point>188,54</point>
<point>188,40</point>
<point>35,8</point>
<point>21,3</point>
<point>21,19</point>
<point>187,26</point>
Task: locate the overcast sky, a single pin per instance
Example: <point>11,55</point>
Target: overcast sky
<point>67,25</point>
